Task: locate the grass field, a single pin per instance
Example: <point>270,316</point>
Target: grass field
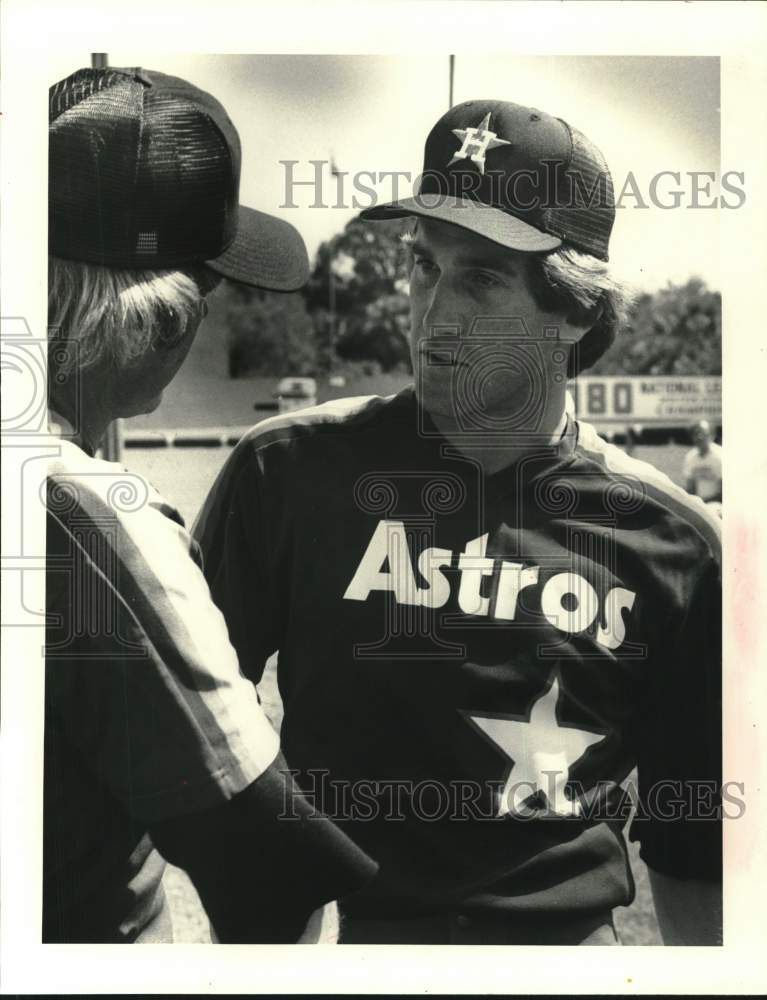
<point>183,476</point>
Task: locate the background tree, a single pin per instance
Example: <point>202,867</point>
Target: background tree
<point>674,331</point>
<point>268,333</point>
<point>357,296</point>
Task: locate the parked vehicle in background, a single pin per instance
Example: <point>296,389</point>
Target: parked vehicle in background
<point>295,393</point>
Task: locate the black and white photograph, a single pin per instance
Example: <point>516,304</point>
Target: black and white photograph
<point>368,574</point>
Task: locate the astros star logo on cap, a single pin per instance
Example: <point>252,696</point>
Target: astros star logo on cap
<point>476,142</point>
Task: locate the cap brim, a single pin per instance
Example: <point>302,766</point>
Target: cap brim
<point>266,252</point>
<point>484,220</point>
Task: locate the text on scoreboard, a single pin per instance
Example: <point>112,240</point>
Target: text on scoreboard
<point>655,399</point>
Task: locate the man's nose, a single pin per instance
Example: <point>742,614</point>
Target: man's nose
<point>443,315</point>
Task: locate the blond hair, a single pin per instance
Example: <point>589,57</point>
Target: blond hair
<point>101,314</point>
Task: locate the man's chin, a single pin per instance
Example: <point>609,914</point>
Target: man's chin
<point>433,401</point>
<point>141,406</point>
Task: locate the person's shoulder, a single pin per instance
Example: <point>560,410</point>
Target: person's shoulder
<point>641,483</point>
<point>278,446</point>
<point>336,416</point>
<point>81,487</point>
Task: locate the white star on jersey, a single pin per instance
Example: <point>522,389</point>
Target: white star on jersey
<point>542,753</point>
<point>475,142</point>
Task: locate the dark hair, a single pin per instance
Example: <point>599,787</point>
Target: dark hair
<point>581,288</point>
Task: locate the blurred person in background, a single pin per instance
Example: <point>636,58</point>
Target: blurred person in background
<point>486,616</point>
<point>156,746</point>
<point>702,466</point>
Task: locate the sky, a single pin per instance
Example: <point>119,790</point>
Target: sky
<point>372,113</point>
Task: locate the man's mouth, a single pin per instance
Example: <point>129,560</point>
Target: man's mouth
<point>441,357</point>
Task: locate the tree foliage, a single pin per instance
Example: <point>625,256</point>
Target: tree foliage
<point>357,296</point>
<point>269,333</point>
<point>674,331</point>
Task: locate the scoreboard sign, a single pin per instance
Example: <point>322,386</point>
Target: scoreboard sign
<point>662,400</point>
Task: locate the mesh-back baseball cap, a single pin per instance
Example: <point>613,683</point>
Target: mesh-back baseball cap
<point>518,176</point>
<point>144,172</point>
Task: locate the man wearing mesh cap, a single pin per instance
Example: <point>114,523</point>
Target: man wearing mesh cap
<point>153,739</point>
<point>504,614</point>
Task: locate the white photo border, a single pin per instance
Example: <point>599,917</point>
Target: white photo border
<point>34,32</point>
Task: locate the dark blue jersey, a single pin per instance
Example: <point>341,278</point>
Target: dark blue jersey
<point>472,665</point>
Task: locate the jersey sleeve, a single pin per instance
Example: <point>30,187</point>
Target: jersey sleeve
<point>243,575</point>
<point>678,819</point>
<point>140,674</point>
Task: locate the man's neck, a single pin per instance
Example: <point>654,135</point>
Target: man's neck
<point>88,417</point>
<point>497,452</point>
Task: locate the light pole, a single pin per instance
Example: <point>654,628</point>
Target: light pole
<point>332,307</point>
<point>112,445</point>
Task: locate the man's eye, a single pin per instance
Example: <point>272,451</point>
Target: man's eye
<point>485,280</point>
<point>424,265</point>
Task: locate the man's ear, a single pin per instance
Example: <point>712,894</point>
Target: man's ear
<point>572,333</point>
<point>575,327</point>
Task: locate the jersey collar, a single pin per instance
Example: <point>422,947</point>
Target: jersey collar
<point>59,426</point>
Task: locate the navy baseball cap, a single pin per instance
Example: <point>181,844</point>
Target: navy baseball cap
<point>144,172</point>
<point>515,175</point>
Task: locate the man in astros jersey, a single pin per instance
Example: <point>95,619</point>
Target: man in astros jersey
<point>487,618</point>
